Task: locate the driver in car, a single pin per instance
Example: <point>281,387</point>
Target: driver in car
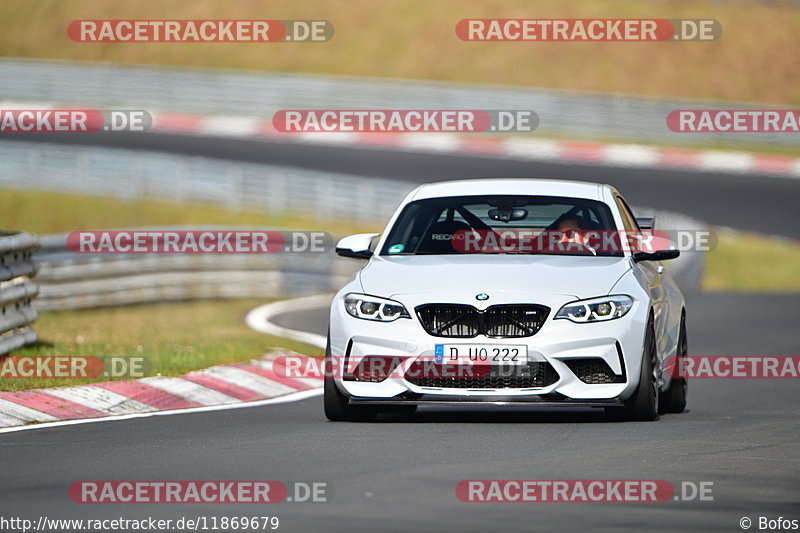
<point>573,230</point>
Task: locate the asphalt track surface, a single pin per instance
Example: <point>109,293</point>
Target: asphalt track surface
<point>400,474</point>
<point>757,203</point>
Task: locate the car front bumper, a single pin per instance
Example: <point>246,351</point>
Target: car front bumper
<point>617,342</point>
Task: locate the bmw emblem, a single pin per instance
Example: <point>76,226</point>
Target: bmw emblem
<point>482,296</point>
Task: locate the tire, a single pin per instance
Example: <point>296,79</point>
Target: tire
<point>674,398</point>
<point>643,405</point>
<point>337,408</point>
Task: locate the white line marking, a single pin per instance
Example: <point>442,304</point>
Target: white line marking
<point>294,397</point>
<point>260,318</point>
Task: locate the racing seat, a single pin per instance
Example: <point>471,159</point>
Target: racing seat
<point>438,240</point>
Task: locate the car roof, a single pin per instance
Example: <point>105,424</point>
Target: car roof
<point>511,186</point>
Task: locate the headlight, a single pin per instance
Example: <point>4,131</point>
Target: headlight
<point>596,309</point>
<point>374,308</point>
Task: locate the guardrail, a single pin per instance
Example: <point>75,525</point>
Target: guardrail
<point>17,290</point>
<point>69,280</point>
<point>130,174</point>
<point>572,114</point>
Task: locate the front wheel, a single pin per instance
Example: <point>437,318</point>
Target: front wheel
<point>643,405</point>
<point>674,400</point>
<point>337,408</point>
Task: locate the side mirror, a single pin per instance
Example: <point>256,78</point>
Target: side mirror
<point>658,255</point>
<point>356,246</point>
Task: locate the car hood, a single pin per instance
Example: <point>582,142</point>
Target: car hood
<point>576,276</point>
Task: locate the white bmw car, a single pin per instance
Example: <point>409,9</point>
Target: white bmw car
<point>505,292</point>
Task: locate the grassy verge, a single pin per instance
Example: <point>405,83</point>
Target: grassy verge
<point>175,337</point>
<point>751,61</point>
<point>51,212</point>
<point>755,263</point>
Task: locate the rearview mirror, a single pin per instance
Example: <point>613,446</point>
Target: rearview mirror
<point>658,255</point>
<point>507,214</point>
<point>356,246</point>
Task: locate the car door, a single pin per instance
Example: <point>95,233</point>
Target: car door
<point>652,272</point>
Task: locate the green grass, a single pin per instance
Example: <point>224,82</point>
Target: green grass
<point>754,59</point>
<point>175,337</point>
<point>753,263</point>
<point>44,212</point>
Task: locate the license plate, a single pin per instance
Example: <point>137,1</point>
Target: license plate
<point>481,354</point>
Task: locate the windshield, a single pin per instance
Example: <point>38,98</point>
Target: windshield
<point>500,224</point>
